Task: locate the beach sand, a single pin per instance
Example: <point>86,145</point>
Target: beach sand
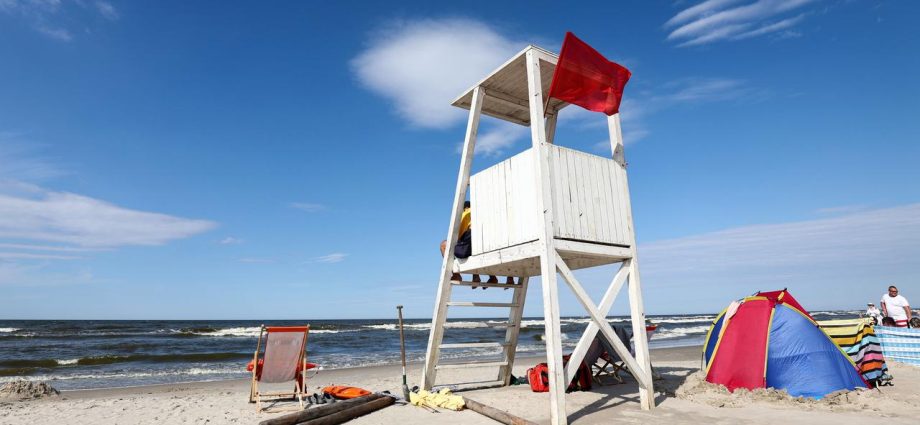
<point>226,401</point>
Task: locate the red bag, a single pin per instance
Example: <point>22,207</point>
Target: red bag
<point>538,376</point>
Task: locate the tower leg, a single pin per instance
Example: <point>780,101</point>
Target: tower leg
<point>433,353</point>
<point>557,382</point>
<point>514,330</point>
<point>640,338</point>
<point>437,332</point>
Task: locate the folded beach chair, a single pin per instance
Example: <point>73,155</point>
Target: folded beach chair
<point>284,359</point>
<point>605,362</point>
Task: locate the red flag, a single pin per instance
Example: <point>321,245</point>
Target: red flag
<point>586,78</point>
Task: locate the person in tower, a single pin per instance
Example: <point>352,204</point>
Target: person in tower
<point>896,306</point>
<point>464,246</point>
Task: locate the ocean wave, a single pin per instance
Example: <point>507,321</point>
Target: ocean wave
<point>36,364</point>
<point>666,332</point>
<point>194,371</point>
<point>692,319</point>
<point>8,330</point>
<point>427,326</point>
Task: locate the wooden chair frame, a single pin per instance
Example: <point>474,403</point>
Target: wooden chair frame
<point>255,396</point>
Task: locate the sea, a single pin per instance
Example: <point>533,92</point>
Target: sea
<point>84,354</point>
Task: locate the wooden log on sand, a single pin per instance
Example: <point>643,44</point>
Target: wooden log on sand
<point>320,411</point>
<point>351,413</point>
<point>498,415</point>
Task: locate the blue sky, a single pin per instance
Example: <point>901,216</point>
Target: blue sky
<point>297,160</point>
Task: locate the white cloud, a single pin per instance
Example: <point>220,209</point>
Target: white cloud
<point>229,240</point>
<point>841,248</point>
<point>107,10</point>
<point>51,17</point>
<point>421,66</point>
<point>723,20</point>
<point>665,96</point>
<point>43,215</point>
<point>252,260</point>
<point>502,136</point>
<point>49,248</point>
<point>335,257</point>
<point>19,160</point>
<point>59,34</point>
<point>32,256</point>
<point>308,207</point>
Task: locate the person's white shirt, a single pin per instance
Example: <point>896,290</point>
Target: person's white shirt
<point>873,311</point>
<point>895,307</point>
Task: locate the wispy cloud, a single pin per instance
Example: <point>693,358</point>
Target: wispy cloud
<point>21,160</point>
<point>253,260</point>
<point>335,257</point>
<point>308,207</point>
<point>728,20</point>
<point>63,217</point>
<point>48,248</point>
<point>230,240</point>
<point>673,94</point>
<point>500,137</point>
<point>51,18</point>
<point>838,247</point>
<point>422,65</point>
<point>107,10</point>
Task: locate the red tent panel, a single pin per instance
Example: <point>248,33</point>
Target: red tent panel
<point>741,355</point>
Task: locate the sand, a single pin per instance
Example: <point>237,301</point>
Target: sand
<point>682,398</point>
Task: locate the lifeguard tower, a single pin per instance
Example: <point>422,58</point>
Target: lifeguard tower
<point>548,209</point>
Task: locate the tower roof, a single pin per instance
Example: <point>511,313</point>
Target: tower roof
<point>506,88</point>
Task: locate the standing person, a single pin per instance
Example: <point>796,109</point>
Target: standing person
<point>873,312</point>
<point>896,307</point>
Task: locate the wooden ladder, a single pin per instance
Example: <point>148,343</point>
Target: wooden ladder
<point>508,345</point>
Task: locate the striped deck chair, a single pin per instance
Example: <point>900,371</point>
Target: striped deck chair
<point>900,344</point>
<point>857,338</point>
<point>284,359</point>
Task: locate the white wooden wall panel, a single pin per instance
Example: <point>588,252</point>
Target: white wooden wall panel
<point>588,197</point>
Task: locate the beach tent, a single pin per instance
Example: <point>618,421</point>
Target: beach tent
<point>769,340</point>
<point>857,338</point>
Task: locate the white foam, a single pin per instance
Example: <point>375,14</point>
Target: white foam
<point>691,319</point>
<point>253,331</point>
<point>9,330</point>
<point>664,333</point>
<point>67,362</point>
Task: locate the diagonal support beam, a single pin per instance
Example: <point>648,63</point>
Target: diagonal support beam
<point>602,323</point>
<point>581,349</point>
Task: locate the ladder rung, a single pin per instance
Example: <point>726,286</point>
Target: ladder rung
<point>471,364</point>
<point>475,345</point>
<point>485,285</point>
<point>484,325</point>
<point>477,304</point>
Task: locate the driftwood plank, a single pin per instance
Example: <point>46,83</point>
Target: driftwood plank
<point>498,415</point>
<point>351,413</point>
<point>320,411</point>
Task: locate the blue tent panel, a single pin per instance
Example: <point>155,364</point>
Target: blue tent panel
<point>802,360</point>
<point>713,338</point>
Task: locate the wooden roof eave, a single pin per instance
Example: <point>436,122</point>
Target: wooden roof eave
<point>506,89</point>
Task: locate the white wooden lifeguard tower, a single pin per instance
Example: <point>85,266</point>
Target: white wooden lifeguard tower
<point>548,209</point>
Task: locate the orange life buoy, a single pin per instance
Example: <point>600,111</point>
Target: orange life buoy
<point>345,392</point>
